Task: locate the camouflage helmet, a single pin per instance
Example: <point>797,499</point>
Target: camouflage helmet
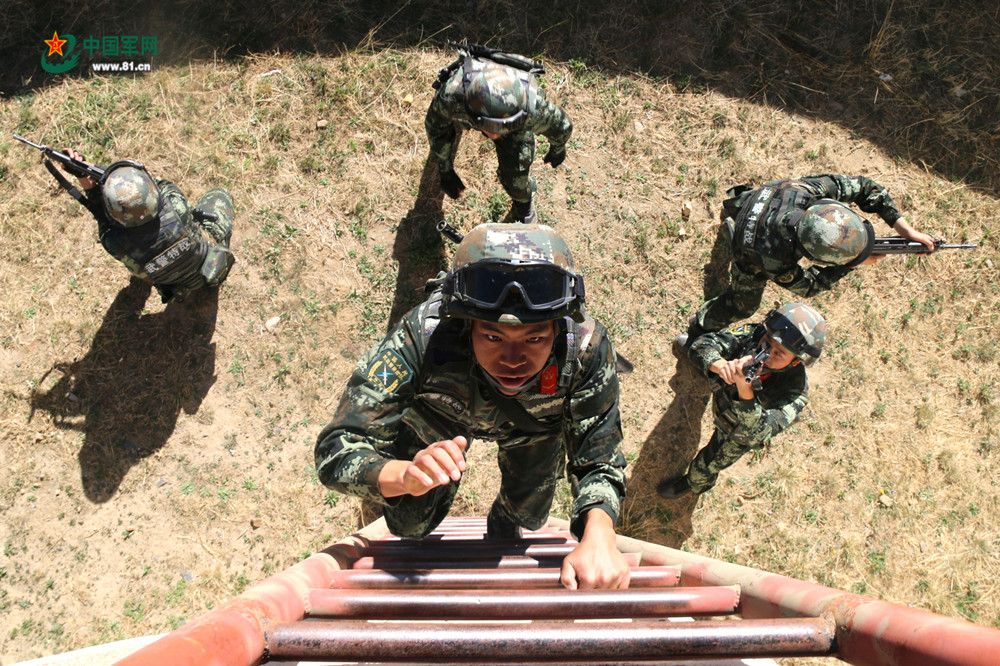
<point>513,274</point>
<point>799,329</point>
<point>130,196</point>
<point>496,100</point>
<point>832,233</point>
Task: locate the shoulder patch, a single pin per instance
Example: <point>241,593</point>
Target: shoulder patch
<point>785,278</point>
<point>390,371</point>
<point>740,330</point>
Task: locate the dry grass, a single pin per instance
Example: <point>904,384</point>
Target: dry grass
<point>166,451</point>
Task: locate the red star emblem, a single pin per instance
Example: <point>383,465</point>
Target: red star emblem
<point>55,44</point>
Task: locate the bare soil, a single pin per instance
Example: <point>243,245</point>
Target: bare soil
<point>158,459</point>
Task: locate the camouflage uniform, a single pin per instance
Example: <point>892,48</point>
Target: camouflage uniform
<point>760,228</point>
<point>422,384</point>
<point>448,114</point>
<point>163,254</point>
<point>742,425</point>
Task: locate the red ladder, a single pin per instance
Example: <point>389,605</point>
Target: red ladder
<point>456,597</point>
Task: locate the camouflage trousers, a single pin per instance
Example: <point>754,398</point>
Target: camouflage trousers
<point>515,154</point>
<point>528,475</point>
<point>742,295</point>
<point>718,454</point>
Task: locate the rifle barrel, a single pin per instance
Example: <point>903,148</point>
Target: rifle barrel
<point>30,143</point>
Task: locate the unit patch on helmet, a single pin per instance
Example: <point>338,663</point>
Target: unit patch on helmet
<point>390,371</point>
<point>785,278</point>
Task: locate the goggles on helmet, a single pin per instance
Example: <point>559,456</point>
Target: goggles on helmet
<point>542,285</point>
<point>499,125</point>
<point>786,334</point>
<point>119,164</point>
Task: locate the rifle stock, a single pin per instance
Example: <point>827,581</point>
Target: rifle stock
<point>451,232</point>
<point>497,56</point>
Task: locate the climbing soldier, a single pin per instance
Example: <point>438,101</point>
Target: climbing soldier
<point>500,350</point>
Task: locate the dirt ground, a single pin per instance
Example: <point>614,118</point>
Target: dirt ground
<point>158,458</point>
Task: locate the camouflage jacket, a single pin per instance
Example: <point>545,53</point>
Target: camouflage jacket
<point>448,109</point>
<point>424,375</point>
<point>783,396</point>
<point>772,248</point>
<point>168,252</point>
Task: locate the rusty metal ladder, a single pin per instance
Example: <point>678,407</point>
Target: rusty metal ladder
<point>457,597</point>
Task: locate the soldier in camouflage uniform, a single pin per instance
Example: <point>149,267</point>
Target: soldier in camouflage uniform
<point>771,228</point>
<point>501,350</point>
<point>508,107</point>
<point>748,415</point>
<point>150,227</point>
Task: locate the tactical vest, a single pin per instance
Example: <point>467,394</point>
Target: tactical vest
<point>467,67</point>
<point>756,223</point>
<point>164,249</point>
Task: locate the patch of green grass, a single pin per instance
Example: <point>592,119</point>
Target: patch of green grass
<point>135,610</point>
<point>175,593</point>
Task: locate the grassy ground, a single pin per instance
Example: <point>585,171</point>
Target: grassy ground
<point>159,460</point>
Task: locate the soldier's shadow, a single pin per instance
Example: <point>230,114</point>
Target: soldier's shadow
<point>668,449</point>
<point>126,393</point>
<point>716,272</point>
<point>418,248</point>
<point>420,252</point>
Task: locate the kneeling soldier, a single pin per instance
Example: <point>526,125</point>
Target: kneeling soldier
<point>749,411</point>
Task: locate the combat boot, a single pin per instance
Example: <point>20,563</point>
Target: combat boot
<point>499,526</point>
<point>673,487</point>
<point>683,341</point>
<point>523,212</point>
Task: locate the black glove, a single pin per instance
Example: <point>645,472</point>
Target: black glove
<point>451,184</point>
<point>555,157</point>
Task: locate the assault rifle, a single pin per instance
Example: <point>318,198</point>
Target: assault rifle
<point>486,53</point>
<point>82,169</point>
<point>900,245</point>
<point>753,369</point>
<point>78,168</point>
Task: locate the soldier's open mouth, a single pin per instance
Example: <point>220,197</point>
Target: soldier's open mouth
<point>512,382</point>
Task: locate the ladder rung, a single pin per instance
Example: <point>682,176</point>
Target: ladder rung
<point>481,560</point>
<point>523,604</point>
<point>462,542</point>
<point>485,579</point>
<point>613,641</point>
<point>477,549</point>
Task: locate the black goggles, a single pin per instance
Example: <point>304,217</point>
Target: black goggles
<point>499,125</point>
<point>788,335</point>
<point>542,285</point>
